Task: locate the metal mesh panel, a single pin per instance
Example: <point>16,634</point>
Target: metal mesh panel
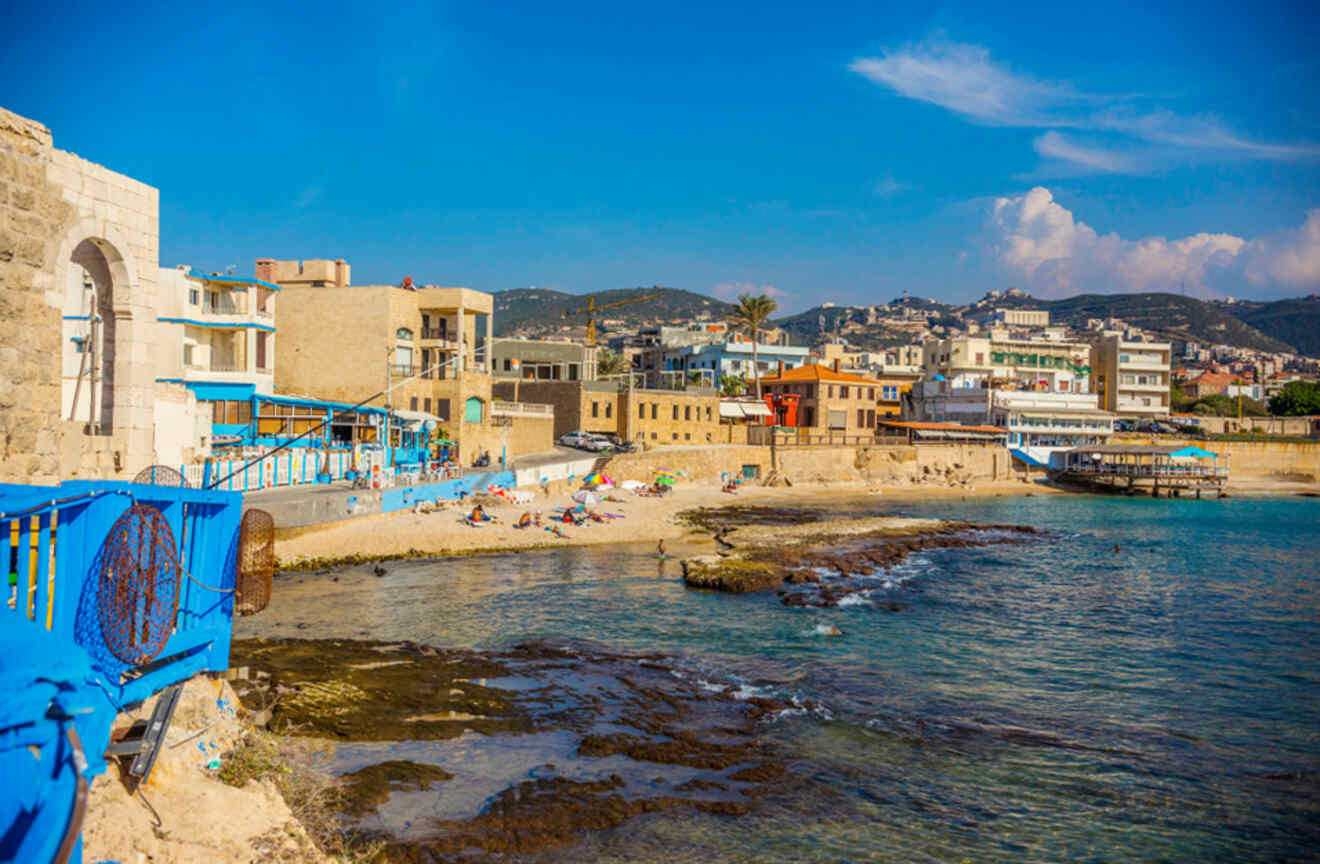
<point>160,475</point>
<point>256,562</point>
<point>138,594</point>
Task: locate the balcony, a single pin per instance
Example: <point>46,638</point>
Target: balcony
<point>439,335</point>
<point>520,409</point>
<point>403,370</point>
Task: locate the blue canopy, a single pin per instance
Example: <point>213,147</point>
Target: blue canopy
<point>1192,452</point>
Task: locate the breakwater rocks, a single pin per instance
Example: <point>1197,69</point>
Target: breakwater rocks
<point>815,563</point>
<point>467,755</point>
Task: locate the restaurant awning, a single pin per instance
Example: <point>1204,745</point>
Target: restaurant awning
<point>731,409</point>
<point>414,419</point>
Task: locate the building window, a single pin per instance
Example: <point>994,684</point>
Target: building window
<point>641,411</point>
<point>442,409</point>
<point>412,403</point>
<point>687,412</point>
<point>675,413</point>
<point>830,391</point>
<point>687,436</point>
<point>655,411</point>
<point>508,364</point>
<point>403,334</point>
<point>187,353</point>
<point>861,417</point>
<point>843,392</point>
<point>707,413</point>
<point>870,419</point>
<point>609,409</point>
<point>595,409</point>
<point>653,436</point>
<point>193,297</point>
<point>870,393</point>
<point>426,404</point>
<point>675,436</point>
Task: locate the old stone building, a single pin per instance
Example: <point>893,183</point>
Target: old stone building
<point>646,416</point>
<point>78,293</point>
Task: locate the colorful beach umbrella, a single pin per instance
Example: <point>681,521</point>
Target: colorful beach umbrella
<point>596,478</point>
<point>665,480</point>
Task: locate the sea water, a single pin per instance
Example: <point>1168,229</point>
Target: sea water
<point>1139,683</point>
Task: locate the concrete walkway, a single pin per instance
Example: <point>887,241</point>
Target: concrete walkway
<point>313,503</point>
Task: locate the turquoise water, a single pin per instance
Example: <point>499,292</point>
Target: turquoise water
<point>1057,700</point>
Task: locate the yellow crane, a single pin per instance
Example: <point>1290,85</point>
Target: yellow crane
<point>591,309</point>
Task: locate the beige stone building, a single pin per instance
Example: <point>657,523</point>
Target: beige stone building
<point>346,342</point>
<point>79,254</point>
<point>820,399</point>
<point>1132,378</point>
<point>646,416</point>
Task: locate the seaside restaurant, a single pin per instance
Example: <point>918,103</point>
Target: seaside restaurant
<point>262,421</point>
<point>1172,461</point>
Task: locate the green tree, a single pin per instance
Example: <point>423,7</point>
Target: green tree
<point>750,314</point>
<point>610,363</point>
<point>1220,405</point>
<point>732,385</point>
<point>1297,398</point>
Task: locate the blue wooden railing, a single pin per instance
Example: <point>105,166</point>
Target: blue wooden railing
<point>51,541</point>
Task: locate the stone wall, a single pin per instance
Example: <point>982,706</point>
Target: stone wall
<point>32,213</point>
<point>891,466</point>
<point>59,213</point>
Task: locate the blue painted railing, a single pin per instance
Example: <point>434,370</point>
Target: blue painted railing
<point>52,649</point>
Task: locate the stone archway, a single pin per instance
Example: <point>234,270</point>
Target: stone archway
<point>95,290</point>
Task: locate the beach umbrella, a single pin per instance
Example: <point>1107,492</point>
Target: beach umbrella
<point>586,497</point>
<point>665,480</point>
<point>597,479</point>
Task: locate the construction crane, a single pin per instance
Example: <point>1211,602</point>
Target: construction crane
<point>591,309</point>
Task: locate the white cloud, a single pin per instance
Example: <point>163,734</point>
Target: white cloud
<point>1290,257</point>
<point>964,79</point>
<point>1064,149</point>
<point>729,291</point>
<point>1038,244</point>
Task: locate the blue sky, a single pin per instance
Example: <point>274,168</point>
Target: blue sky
<point>816,151</point>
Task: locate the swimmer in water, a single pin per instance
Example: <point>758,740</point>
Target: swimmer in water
<point>831,630</point>
<point>660,548</point>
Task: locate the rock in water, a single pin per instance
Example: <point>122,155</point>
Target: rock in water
<point>730,574</point>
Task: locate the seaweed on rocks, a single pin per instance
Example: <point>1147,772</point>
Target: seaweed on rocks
<point>423,697</point>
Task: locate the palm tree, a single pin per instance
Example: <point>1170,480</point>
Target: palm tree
<point>610,363</point>
<point>751,314</point>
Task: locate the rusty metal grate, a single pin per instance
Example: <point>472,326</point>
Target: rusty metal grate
<point>256,562</point>
<point>138,591</point>
<point>160,475</point>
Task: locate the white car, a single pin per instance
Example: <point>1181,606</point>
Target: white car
<point>584,441</point>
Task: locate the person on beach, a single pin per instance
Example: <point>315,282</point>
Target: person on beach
<point>660,548</point>
<point>538,519</point>
<point>479,514</point>
<point>524,520</point>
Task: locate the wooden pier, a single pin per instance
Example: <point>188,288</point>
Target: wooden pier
<point>1172,470</point>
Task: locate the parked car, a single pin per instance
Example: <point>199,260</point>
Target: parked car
<point>584,441</point>
<point>620,445</point>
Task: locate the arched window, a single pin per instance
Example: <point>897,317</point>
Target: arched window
<point>403,334</point>
<point>473,410</point>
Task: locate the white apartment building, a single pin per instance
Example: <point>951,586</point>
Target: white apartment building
<point>992,363</point>
<point>1132,377</point>
<point>217,333</point>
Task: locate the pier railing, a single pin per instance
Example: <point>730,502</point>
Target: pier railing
<point>54,542</point>
<point>1141,471</point>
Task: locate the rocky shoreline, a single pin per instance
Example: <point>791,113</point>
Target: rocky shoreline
<point>634,734</point>
<point>820,563</point>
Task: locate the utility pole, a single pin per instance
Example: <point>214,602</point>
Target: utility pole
<point>389,377</point>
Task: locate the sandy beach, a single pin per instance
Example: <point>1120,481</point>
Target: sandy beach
<point>444,532</point>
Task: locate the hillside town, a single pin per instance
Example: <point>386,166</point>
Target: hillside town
<point>163,363</point>
<point>802,513</point>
